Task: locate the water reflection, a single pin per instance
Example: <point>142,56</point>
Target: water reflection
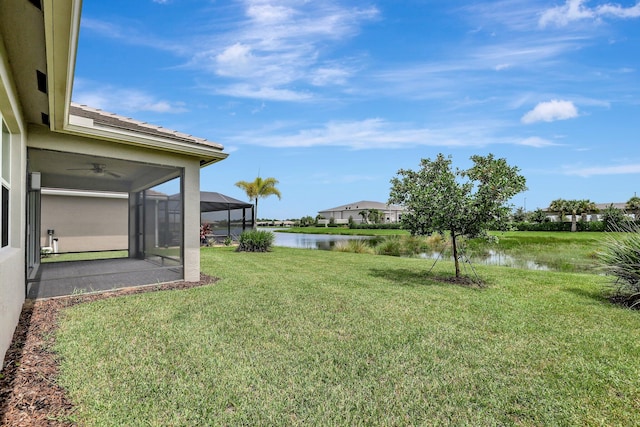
<point>328,241</point>
<point>310,241</point>
<point>497,258</point>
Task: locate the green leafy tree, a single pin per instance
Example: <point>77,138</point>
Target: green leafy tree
<point>374,216</point>
<point>613,218</point>
<point>519,215</point>
<point>259,188</point>
<point>365,216</point>
<point>468,202</point>
<point>306,221</point>
<point>538,216</point>
<point>573,208</point>
<point>633,205</point>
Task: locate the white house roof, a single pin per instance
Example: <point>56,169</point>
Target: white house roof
<point>364,204</point>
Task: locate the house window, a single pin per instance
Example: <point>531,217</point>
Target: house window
<point>5,181</point>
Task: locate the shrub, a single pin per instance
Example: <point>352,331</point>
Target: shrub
<point>559,226</point>
<point>392,245</point>
<point>358,246</point>
<point>620,258</point>
<point>255,241</point>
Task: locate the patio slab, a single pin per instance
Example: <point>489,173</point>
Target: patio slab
<point>73,277</point>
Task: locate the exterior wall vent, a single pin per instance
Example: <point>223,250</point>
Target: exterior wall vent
<point>42,81</point>
<point>36,3</point>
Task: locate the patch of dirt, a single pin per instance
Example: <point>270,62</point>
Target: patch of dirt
<point>29,393</point>
<point>462,281</point>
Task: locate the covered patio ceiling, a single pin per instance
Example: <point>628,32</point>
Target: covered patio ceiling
<point>66,170</point>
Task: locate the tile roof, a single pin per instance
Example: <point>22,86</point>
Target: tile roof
<point>111,120</point>
<point>365,204</point>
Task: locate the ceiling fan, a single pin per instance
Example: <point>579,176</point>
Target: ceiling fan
<point>99,169</point>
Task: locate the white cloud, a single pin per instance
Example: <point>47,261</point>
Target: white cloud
<point>263,92</point>
<point>576,10</point>
<point>631,169</point>
<point>377,133</point>
<point>551,111</point>
<point>234,60</point>
<point>536,142</point>
<point>277,47</point>
<point>123,100</point>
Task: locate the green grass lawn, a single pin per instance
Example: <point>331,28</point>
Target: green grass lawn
<point>303,337</point>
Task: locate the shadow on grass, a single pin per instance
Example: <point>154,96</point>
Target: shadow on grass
<point>412,278</point>
<point>596,295</point>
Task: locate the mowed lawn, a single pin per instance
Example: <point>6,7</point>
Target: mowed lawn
<point>305,337</point>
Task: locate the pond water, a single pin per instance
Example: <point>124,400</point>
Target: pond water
<point>498,258</point>
<point>327,241</point>
<point>310,241</point>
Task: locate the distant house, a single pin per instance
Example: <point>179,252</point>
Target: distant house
<point>342,214</point>
<point>48,142</point>
<point>589,216</point>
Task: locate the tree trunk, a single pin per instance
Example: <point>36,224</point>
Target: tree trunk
<point>455,253</point>
<point>255,213</point>
<point>574,225</point>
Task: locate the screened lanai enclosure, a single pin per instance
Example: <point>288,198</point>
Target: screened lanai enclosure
<point>122,209</point>
<point>223,217</point>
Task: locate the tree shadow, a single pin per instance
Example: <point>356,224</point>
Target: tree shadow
<point>412,278</point>
<point>595,295</point>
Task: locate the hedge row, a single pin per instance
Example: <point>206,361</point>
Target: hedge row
<point>560,226</point>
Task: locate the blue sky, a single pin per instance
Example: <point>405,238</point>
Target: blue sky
<point>333,97</point>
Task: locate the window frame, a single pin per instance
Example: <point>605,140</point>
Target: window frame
<point>5,183</point>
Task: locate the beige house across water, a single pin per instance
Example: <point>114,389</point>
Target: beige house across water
<point>342,214</point>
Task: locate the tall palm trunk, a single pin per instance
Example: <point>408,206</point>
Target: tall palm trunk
<point>255,214</point>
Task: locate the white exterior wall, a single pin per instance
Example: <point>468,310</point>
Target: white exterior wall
<point>191,232</point>
<point>12,257</point>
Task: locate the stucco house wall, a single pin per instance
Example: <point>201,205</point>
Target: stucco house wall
<point>341,214</point>
<point>12,256</point>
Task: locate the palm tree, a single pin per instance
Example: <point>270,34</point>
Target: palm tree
<point>573,207</point>
<point>633,204</point>
<point>259,188</point>
<point>559,206</point>
<point>365,216</point>
<point>585,207</point>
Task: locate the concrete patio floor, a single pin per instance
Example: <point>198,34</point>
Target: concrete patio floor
<point>56,279</point>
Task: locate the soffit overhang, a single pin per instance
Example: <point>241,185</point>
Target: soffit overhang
<point>62,27</point>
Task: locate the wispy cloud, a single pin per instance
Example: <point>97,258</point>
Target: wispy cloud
<point>629,169</point>
<point>577,10</point>
<point>133,34</point>
<point>275,48</point>
<point>269,51</point>
<point>122,100</point>
<point>537,142</point>
<point>376,133</point>
<point>551,111</point>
